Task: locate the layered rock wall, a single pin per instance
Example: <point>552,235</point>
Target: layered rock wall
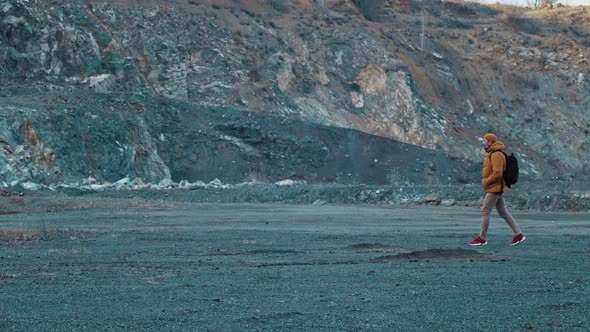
<point>113,89</point>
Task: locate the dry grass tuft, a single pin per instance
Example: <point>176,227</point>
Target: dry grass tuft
<point>27,234</point>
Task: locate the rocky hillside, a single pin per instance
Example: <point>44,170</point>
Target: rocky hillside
<point>375,92</point>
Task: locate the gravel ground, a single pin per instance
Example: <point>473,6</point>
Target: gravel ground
<point>106,262</point>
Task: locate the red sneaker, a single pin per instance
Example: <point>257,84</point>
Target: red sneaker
<point>478,241</point>
<point>517,239</point>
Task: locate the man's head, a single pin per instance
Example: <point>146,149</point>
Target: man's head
<point>489,139</point>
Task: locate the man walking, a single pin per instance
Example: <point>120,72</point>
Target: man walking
<point>494,186</point>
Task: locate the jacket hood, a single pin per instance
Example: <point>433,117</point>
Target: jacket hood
<point>497,146</point>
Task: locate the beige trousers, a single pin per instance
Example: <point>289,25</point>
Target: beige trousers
<point>489,202</point>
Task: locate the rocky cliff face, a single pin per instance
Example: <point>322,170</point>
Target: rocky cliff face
<point>323,91</point>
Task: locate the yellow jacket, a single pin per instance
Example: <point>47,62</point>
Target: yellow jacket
<point>493,169</point>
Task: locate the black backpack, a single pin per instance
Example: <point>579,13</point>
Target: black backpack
<point>511,172</point>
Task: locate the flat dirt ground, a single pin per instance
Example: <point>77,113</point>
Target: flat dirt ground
<point>87,263</point>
